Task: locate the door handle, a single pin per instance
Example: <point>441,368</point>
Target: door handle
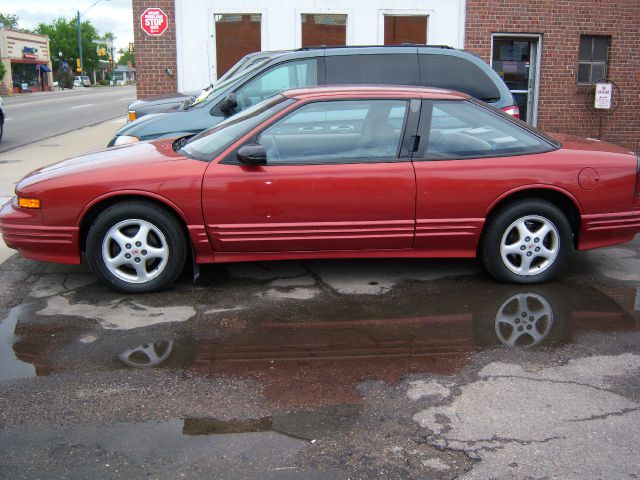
<point>309,129</point>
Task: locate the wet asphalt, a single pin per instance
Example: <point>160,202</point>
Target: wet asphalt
<point>361,369</point>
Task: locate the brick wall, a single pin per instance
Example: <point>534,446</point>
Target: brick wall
<point>562,103</point>
<point>155,54</point>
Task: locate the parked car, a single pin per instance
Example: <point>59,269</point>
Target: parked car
<point>81,82</point>
<point>167,103</point>
<point>333,172</point>
<point>405,65</point>
<point>1,120</point>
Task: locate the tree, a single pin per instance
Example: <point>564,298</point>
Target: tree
<point>63,37</point>
<point>10,20</point>
<point>3,71</point>
<point>126,56</point>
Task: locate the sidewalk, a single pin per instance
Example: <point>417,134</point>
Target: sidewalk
<point>16,163</point>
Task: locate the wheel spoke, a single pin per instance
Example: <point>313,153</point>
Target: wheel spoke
<point>513,249</point>
<point>142,234</point>
<point>153,252</point>
<point>523,230</point>
<point>117,261</point>
<point>141,271</point>
<point>546,253</point>
<point>120,238</point>
<point>525,264</point>
<point>543,231</point>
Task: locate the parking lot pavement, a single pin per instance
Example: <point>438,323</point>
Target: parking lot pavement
<point>323,369</point>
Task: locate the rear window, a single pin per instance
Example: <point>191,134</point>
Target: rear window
<point>455,73</point>
<point>396,69</point>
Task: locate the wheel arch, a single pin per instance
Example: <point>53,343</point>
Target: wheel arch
<point>99,204</point>
<point>562,199</point>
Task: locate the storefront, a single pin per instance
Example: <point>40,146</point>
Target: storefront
<point>27,62</point>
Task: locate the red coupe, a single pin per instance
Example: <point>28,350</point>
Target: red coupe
<point>333,173</point>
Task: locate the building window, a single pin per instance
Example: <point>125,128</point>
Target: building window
<point>330,30</point>
<point>592,59</point>
<point>236,35</point>
<point>399,29</point>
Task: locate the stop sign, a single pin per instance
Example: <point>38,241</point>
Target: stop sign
<point>154,21</point>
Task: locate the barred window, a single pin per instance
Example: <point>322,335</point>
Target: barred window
<point>592,58</point>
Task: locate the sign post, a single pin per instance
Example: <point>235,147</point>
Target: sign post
<point>154,21</point>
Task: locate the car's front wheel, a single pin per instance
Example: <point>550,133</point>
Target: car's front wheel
<point>527,242</point>
<point>136,247</point>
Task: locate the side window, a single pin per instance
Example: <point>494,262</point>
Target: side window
<point>350,131</point>
<point>455,73</point>
<point>389,69</point>
<point>461,129</point>
<point>303,73</point>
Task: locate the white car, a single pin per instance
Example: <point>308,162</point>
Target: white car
<point>84,82</point>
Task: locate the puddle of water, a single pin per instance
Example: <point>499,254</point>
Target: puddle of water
<point>10,366</point>
<point>261,448</point>
<point>328,345</point>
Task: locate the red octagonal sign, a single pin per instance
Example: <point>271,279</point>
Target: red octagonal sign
<point>154,21</point>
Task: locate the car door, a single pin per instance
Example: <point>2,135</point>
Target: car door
<point>469,156</point>
<point>338,177</point>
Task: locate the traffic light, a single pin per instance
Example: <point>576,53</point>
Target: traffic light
<point>78,67</point>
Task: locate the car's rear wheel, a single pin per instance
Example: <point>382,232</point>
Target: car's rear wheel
<point>136,247</point>
<point>527,242</point>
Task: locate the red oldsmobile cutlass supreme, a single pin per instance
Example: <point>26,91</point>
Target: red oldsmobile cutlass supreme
<point>333,173</point>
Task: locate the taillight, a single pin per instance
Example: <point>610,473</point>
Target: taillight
<point>512,110</point>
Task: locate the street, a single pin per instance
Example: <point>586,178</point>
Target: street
<point>29,118</point>
<point>341,369</point>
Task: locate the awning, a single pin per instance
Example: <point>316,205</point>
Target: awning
<point>44,68</point>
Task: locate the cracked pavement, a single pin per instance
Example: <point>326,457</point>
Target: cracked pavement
<point>323,369</point>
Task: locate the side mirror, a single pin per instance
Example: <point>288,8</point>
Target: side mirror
<point>229,104</point>
<point>252,154</point>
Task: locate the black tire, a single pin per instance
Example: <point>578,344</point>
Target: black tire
<point>1,129</point>
<point>165,235</point>
<point>534,214</point>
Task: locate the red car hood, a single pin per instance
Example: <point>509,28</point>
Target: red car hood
<point>138,154</point>
<point>588,144</point>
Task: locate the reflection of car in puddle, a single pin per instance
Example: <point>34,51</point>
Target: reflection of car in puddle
<point>317,351</point>
<point>524,320</point>
<point>325,358</point>
<point>147,355</point>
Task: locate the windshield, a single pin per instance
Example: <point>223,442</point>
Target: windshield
<point>218,87</point>
<point>210,143</point>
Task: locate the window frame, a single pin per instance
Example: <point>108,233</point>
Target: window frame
<point>403,153</point>
<point>424,130</point>
<point>591,62</point>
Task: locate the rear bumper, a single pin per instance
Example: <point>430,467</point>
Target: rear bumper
<point>23,231</point>
<point>607,229</point>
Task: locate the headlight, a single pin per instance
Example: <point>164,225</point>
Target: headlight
<point>125,140</point>
<point>132,115</point>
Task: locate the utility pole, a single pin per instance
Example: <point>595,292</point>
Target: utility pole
<point>80,48</point>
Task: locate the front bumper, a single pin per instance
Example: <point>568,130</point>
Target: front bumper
<point>23,230</point>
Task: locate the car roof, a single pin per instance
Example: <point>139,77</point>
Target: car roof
<point>374,91</point>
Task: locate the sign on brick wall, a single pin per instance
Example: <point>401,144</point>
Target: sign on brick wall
<point>154,21</point>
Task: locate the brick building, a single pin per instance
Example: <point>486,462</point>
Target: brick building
<point>550,52</point>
